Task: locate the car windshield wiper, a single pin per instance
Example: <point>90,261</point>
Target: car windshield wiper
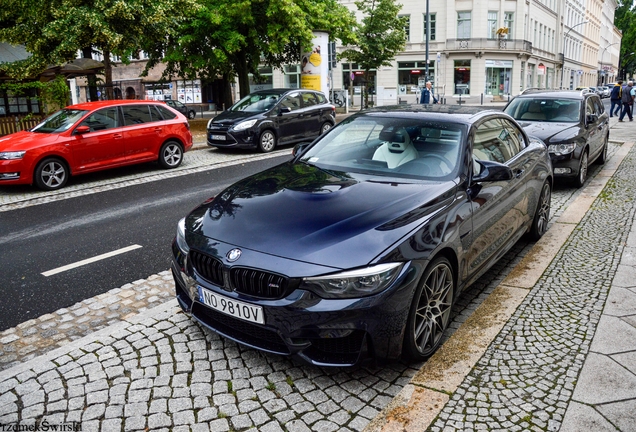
<point>330,172</point>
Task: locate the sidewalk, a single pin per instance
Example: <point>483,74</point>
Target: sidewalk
<point>552,347</point>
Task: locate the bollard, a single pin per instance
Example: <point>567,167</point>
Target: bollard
<point>482,98</point>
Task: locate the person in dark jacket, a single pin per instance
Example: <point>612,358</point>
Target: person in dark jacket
<point>615,97</point>
<point>628,101</point>
<point>427,95</point>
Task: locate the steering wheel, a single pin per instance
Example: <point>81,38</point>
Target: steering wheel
<point>441,158</point>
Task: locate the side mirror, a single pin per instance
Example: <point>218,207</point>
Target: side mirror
<point>299,148</point>
<point>284,110</point>
<point>81,130</point>
<point>492,171</point>
<point>591,118</point>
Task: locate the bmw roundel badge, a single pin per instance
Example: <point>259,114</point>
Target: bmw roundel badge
<point>233,255</point>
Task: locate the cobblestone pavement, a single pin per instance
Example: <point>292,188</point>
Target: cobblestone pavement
<point>527,377</point>
<point>159,370</point>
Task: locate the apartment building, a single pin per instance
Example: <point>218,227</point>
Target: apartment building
<point>490,50</point>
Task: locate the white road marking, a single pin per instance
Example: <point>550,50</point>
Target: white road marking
<point>90,260</point>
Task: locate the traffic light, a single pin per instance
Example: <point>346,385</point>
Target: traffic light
<point>332,55</point>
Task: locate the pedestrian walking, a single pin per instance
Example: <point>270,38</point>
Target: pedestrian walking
<point>427,95</point>
<point>615,97</point>
<point>628,101</point>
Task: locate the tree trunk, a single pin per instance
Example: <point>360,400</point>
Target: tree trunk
<point>108,75</point>
<point>227,91</point>
<point>87,52</point>
<point>243,74</point>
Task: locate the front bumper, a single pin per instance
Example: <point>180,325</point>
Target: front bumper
<point>225,138</point>
<point>324,332</point>
<point>14,172</point>
<point>566,165</point>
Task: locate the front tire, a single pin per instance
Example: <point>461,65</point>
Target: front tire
<point>267,141</point>
<point>430,310</point>
<point>582,175</point>
<point>325,127</point>
<point>51,174</point>
<point>191,114</point>
<point>170,155</point>
<point>542,213</point>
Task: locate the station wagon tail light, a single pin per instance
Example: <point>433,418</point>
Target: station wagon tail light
<point>561,149</point>
<point>354,283</point>
<point>12,155</point>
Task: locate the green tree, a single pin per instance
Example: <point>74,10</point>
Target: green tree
<point>55,31</point>
<point>380,37</point>
<point>625,20</point>
<point>231,38</point>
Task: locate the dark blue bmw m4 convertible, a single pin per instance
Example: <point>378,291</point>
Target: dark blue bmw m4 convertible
<point>359,245</point>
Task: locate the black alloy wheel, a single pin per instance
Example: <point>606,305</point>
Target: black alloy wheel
<point>170,155</point>
<point>51,174</point>
<point>430,310</point>
<point>582,175</point>
<point>267,141</point>
<point>542,213</point>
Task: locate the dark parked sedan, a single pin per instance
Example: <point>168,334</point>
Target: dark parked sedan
<point>360,244</point>
<point>267,118</point>
<point>182,108</point>
<point>573,124</point>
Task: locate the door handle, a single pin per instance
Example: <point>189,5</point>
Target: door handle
<point>158,129</point>
<point>117,136</point>
<point>519,173</point>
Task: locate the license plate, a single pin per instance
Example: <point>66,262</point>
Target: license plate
<point>217,137</point>
<point>228,306</point>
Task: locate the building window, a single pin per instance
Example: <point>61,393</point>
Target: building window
<point>462,76</point>
<point>265,81</point>
<point>412,76</point>
<point>509,19</point>
<point>23,103</point>
<point>463,25</point>
<point>406,19</point>
<point>431,20</point>
<point>492,25</point>
<point>292,76</point>
<point>498,77</point>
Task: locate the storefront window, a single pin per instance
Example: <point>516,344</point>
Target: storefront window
<point>189,91</point>
<point>412,76</point>
<point>498,77</point>
<point>358,79</point>
<point>264,82</point>
<point>155,91</point>
<point>462,76</point>
<point>463,25</point>
<point>292,76</point>
<point>530,76</point>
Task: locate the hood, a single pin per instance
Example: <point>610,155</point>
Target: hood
<point>300,212</point>
<point>550,132</point>
<point>232,117</point>
<point>26,140</point>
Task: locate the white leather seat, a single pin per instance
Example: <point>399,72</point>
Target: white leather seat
<point>398,151</point>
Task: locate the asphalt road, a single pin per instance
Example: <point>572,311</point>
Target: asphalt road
<point>143,218</point>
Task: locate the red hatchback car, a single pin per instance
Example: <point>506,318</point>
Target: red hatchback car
<point>94,136</point>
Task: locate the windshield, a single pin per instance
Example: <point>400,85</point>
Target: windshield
<point>386,146</point>
<point>258,102</point>
<point>59,121</point>
<point>545,110</point>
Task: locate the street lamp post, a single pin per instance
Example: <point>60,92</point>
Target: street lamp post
<point>602,60</point>
<point>564,37</point>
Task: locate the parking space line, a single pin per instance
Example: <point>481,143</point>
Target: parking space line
<point>90,260</point>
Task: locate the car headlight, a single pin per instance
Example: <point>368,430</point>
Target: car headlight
<point>12,155</point>
<point>244,125</point>
<point>209,123</point>
<point>561,149</point>
<point>354,283</point>
<point>181,241</point>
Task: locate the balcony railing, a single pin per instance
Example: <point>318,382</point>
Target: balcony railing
<point>482,44</point>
